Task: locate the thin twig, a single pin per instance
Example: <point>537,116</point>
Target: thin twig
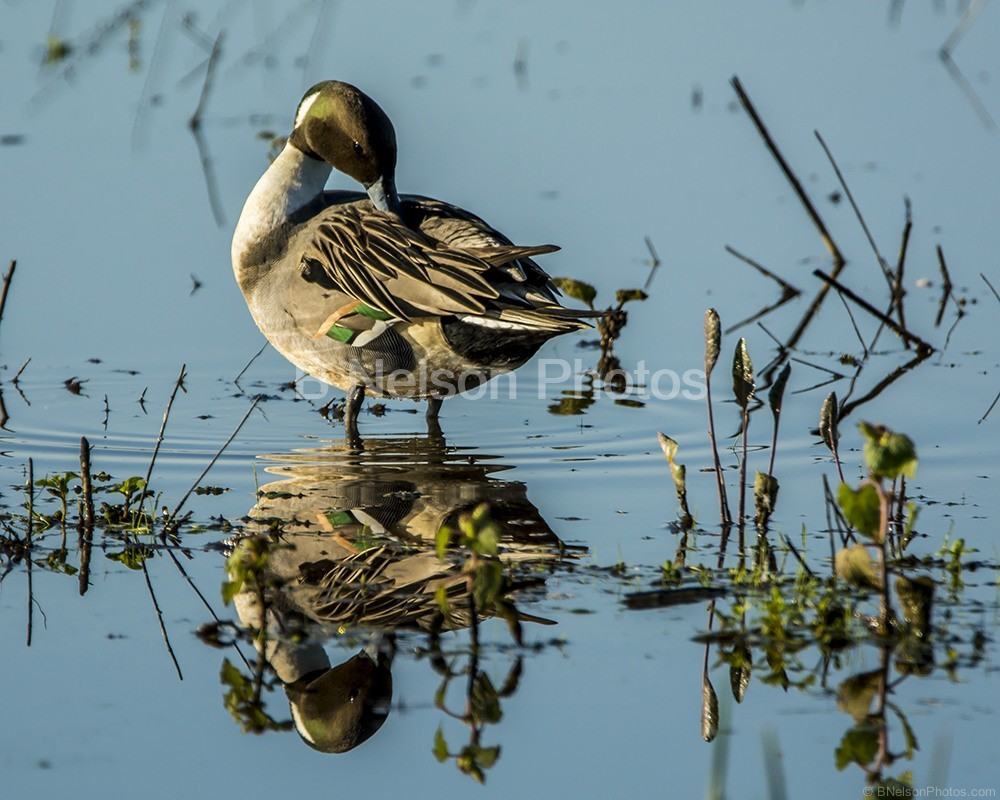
<point>971,12</point>
<point>6,286</point>
<point>654,263</point>
<point>889,323</point>
<point>883,384</point>
<point>795,552</point>
<point>898,292</point>
<point>857,211</point>
<point>18,374</point>
<point>236,380</point>
<point>839,262</point>
<point>187,494</point>
<point>163,426</point>
<point>159,617</point>
<point>995,293</point>
<point>946,287</point>
<point>173,557</point>
<point>789,175</point>
<point>785,285</point>
<point>854,325</point>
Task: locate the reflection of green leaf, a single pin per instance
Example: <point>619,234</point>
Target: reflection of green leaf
<point>578,290</point>
<point>624,296</point>
<point>743,383</point>
<point>572,403</point>
<point>440,746</point>
<point>862,509</point>
<point>828,416</point>
<point>739,670</point>
<point>916,602</point>
<point>709,710</point>
<point>765,497</point>
<point>132,557</point>
<point>777,393</point>
<point>487,583</point>
<point>855,694</point>
<point>854,565</point>
<point>888,454</point>
<point>485,704</point>
<point>859,746</point>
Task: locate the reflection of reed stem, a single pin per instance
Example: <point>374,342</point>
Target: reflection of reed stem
<point>27,542</point>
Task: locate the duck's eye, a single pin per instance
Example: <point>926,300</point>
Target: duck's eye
<point>358,149</point>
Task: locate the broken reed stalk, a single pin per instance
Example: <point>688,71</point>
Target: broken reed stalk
<point>6,286</point>
<point>839,262</point>
<point>830,280</point>
<point>187,494</point>
<point>27,542</point>
<point>87,516</point>
<point>807,204</point>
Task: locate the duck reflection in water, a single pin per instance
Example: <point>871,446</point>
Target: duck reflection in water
<point>348,537</point>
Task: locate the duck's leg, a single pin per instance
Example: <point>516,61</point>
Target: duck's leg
<point>352,406</point>
<point>433,424</point>
<point>433,407</point>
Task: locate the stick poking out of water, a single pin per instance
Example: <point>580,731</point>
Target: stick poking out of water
<point>6,285</point>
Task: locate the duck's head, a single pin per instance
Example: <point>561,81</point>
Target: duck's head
<point>341,125</point>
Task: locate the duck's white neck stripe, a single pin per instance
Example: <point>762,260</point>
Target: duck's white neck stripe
<point>304,107</point>
<point>292,181</point>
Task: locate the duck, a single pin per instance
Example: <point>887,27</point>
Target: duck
<point>377,293</point>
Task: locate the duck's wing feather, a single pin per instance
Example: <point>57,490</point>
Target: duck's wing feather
<point>377,259</point>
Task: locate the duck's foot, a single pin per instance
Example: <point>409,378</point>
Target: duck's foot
<point>352,406</point>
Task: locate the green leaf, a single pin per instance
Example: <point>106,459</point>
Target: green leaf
<point>888,454</point>
<point>859,746</point>
<point>862,509</point>
<point>440,746</point>
<point>765,497</point>
<point>487,583</point>
<point>743,383</point>
<point>578,290</point>
<point>624,296</point>
<point>828,418</point>
<point>679,475</point>
<point>854,565</point>
<point>713,339</point>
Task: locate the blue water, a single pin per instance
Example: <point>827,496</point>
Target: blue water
<point>594,146</point>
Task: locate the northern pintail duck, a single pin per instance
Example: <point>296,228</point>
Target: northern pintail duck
<point>402,296</point>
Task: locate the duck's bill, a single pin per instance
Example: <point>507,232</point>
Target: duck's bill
<point>383,195</point>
